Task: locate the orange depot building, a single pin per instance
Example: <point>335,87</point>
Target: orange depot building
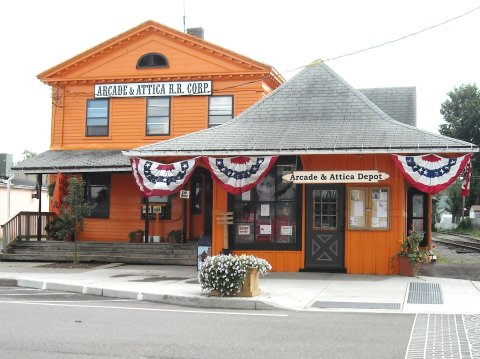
<point>331,198</point>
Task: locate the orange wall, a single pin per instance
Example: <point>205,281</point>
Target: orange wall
<point>127,117</point>
<point>366,252</point>
<point>125,206</point>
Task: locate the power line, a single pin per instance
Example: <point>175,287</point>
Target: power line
<point>363,50</point>
<point>403,37</point>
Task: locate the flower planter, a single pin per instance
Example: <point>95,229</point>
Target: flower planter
<point>250,285</point>
<point>249,288</point>
<point>407,269</point>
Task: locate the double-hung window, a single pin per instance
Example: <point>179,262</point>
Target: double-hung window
<point>220,110</point>
<point>97,117</point>
<point>158,116</point>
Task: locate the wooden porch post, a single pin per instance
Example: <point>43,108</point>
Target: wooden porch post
<point>39,217</point>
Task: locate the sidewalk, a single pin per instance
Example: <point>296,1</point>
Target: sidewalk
<point>293,291</point>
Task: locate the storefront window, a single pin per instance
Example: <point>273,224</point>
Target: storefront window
<point>266,217</point>
<point>368,208</point>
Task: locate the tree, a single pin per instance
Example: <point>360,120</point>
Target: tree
<point>28,154</point>
<point>461,112</point>
<point>73,211</point>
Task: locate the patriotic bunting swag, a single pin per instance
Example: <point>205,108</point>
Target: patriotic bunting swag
<point>431,173</point>
<point>158,179</point>
<point>466,179</point>
<point>239,174</point>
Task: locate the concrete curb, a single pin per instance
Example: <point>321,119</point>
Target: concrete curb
<point>180,300</point>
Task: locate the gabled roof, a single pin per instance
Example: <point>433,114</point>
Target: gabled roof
<point>316,112</point>
<point>75,161</point>
<point>60,72</point>
<point>400,103</point>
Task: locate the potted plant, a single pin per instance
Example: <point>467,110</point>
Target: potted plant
<point>411,254</point>
<point>229,275</point>
<point>136,236</point>
<point>175,236</point>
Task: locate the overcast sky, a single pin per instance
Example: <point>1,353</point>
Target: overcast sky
<point>37,35</point>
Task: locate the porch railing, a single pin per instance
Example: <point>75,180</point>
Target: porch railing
<point>24,226</point>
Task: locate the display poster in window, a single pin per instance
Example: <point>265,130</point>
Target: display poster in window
<point>286,230</point>
<point>265,229</point>
<point>379,208</point>
<point>246,196</point>
<point>243,230</point>
<point>357,216</point>
<point>265,210</point>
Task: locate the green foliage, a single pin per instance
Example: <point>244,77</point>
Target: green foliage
<point>461,112</point>
<point>410,248</point>
<point>73,210</point>
<point>175,236</point>
<point>465,224</point>
<point>133,234</point>
<point>28,154</point>
<point>454,200</point>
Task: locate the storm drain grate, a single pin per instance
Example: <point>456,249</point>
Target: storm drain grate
<point>356,305</point>
<point>7,282</point>
<point>425,293</point>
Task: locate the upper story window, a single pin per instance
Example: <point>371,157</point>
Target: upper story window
<point>97,117</point>
<point>158,116</point>
<point>220,110</point>
<point>152,60</point>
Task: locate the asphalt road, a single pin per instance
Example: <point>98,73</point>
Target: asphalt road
<point>45,324</point>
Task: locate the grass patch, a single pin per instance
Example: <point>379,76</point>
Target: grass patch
<point>440,257</point>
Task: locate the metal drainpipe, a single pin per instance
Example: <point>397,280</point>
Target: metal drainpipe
<point>9,179</point>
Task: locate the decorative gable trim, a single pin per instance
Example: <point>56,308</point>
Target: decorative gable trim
<point>57,73</point>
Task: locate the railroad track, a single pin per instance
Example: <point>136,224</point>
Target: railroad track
<point>446,238</point>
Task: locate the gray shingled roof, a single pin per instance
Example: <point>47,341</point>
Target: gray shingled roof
<point>316,112</point>
<point>400,103</point>
<point>76,161</point>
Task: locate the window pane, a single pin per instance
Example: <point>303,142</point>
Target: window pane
<point>220,110</point>
<point>97,117</point>
<point>157,129</point>
<point>325,209</point>
<point>285,190</point>
<point>244,212</point>
<point>244,233</point>
<point>158,107</point>
<point>219,120</point>
<point>97,122</point>
<point>285,222</point>
<point>417,204</point>
<point>357,218</point>
<point>158,116</point>
<point>98,193</point>
<point>379,205</point>
<point>97,131</point>
<point>266,189</point>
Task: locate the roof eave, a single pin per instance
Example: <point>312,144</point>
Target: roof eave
<point>312,151</point>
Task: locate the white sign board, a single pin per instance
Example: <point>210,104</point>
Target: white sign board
<point>359,176</point>
<point>184,194</point>
<point>157,89</point>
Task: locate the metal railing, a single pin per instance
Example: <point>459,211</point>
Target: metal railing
<point>24,226</point>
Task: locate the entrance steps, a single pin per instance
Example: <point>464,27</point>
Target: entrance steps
<point>109,252</point>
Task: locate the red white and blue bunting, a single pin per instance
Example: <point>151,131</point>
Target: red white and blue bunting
<point>158,179</point>
<point>431,173</point>
<point>235,174</point>
<point>466,179</point>
<point>239,174</point>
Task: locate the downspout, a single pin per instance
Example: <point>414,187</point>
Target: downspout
<point>9,179</point>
